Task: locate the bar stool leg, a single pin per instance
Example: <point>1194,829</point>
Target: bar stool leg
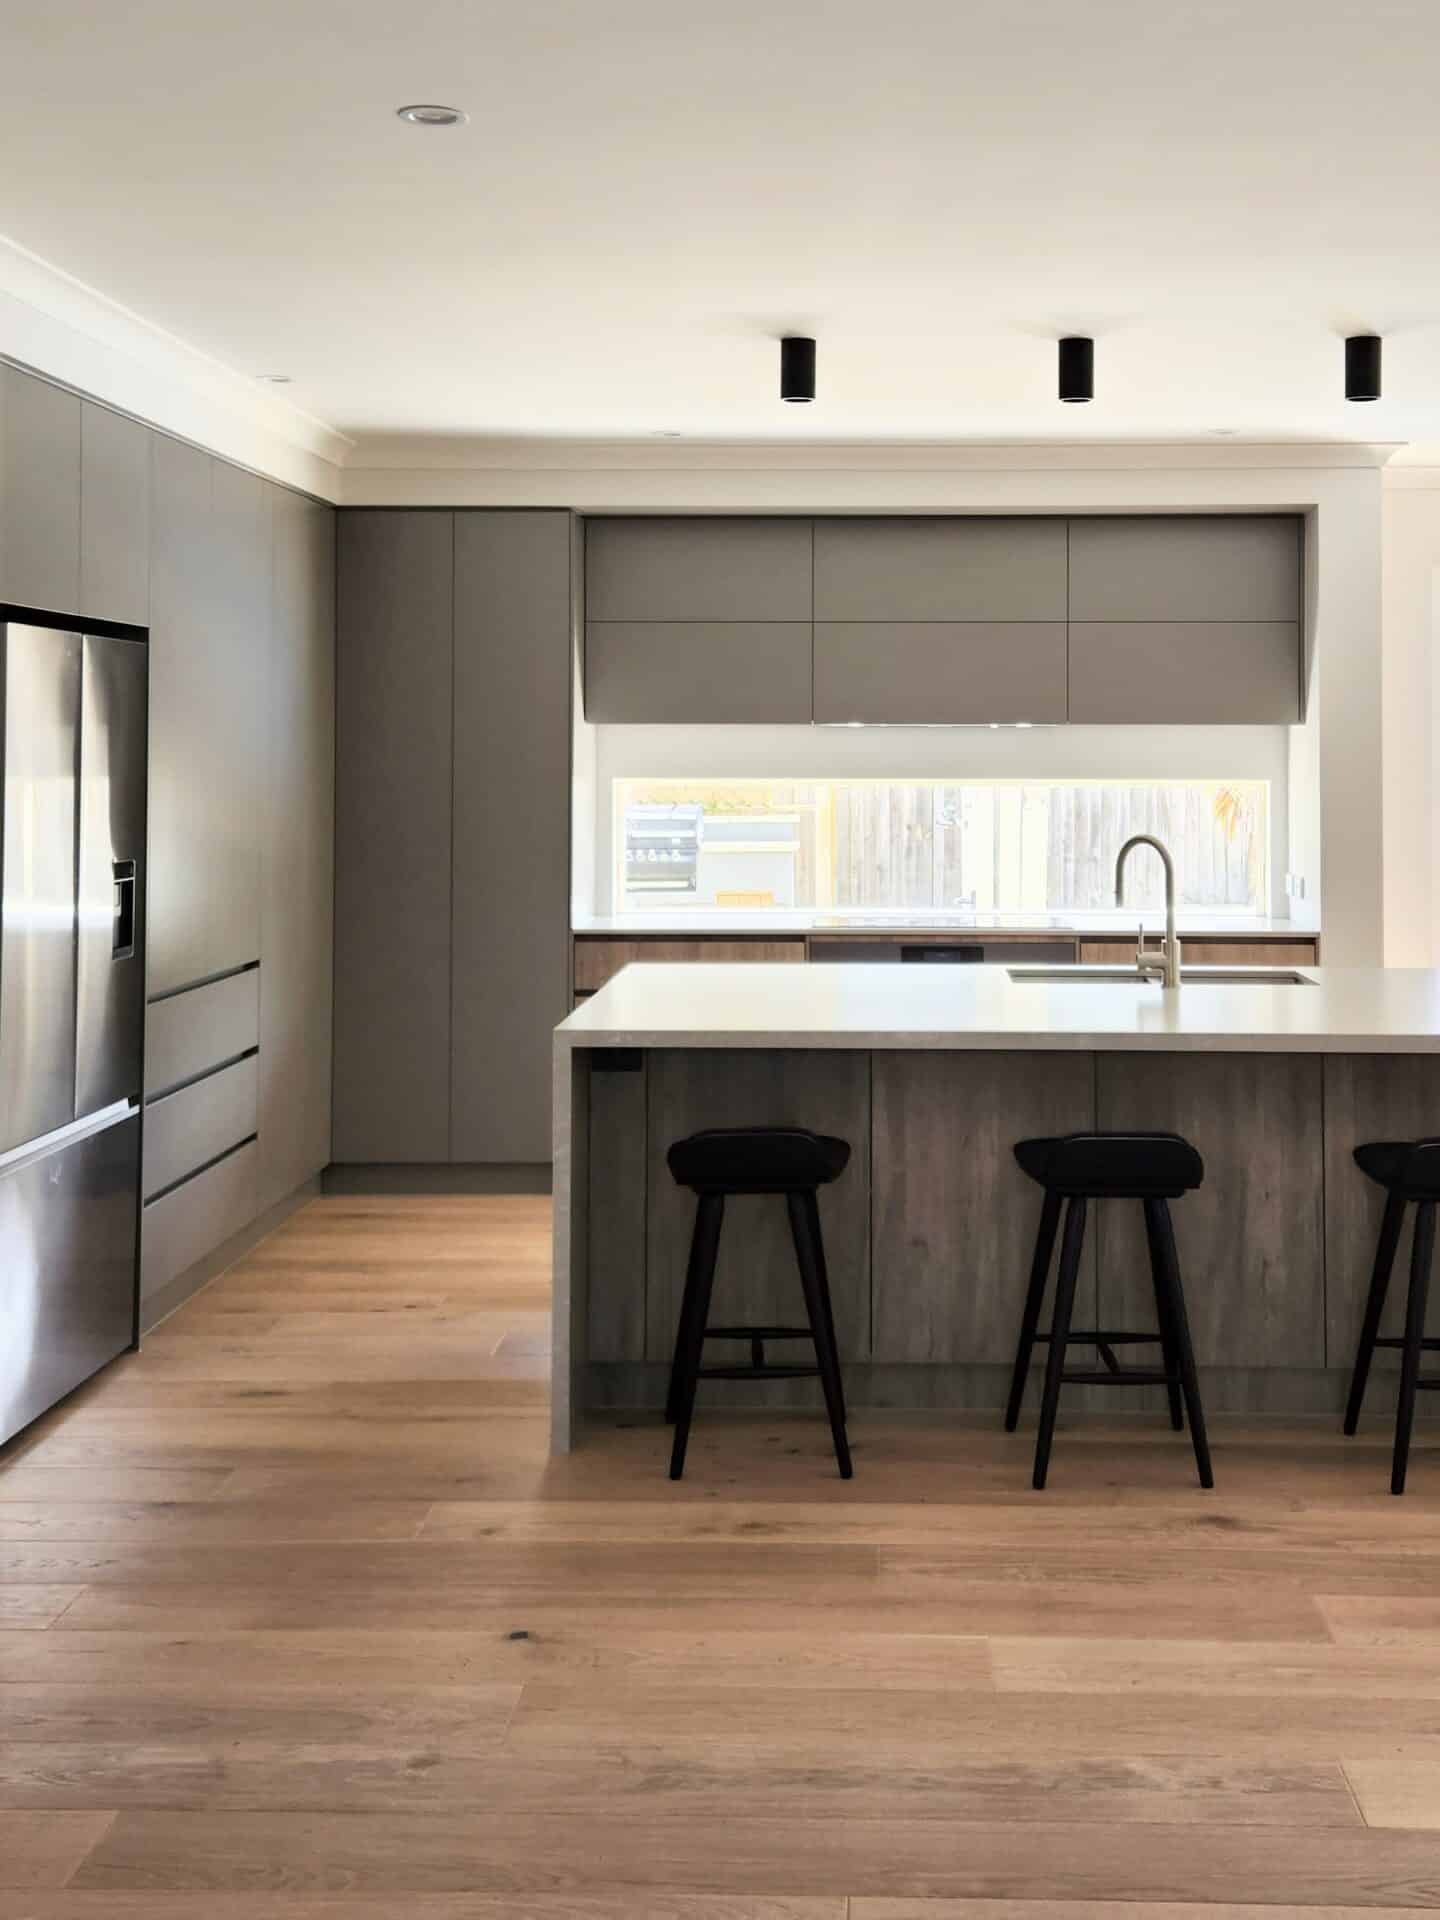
<point>817,1240</point>
<point>682,1342</point>
<point>1029,1324</point>
<point>1168,1346</point>
<point>1164,1232</point>
<point>1065,1281</point>
<point>682,1329</point>
<point>1390,1225</point>
<point>699,1284</point>
<point>821,1326</point>
<point>1422,1252</point>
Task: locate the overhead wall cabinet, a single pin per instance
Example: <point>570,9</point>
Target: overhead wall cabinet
<point>452,832</point>
<point>1186,618</point>
<point>944,619</point>
<point>692,618</point>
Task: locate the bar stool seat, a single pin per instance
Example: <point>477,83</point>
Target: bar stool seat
<point>1125,1166</point>
<point>756,1160</point>
<point>1409,1171</point>
<point>1074,1169</point>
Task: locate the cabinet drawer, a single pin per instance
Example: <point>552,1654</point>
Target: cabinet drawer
<point>1201,952</point>
<point>189,1128</point>
<point>941,673</point>
<point>189,1033</point>
<point>193,1220</point>
<point>596,961</point>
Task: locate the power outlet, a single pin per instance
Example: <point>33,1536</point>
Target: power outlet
<point>1295,886</point>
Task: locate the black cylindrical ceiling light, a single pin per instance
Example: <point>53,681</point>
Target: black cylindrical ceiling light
<point>1362,366</point>
<point>1077,367</point>
<point>797,367</point>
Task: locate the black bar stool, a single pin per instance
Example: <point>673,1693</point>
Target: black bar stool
<point>1408,1170</point>
<point>737,1160</point>
<point>1154,1168</point>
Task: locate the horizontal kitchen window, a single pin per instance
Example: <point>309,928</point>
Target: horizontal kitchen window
<point>1038,845</point>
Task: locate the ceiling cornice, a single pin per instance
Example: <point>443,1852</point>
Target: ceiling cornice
<point>451,454</point>
<point>57,326</point>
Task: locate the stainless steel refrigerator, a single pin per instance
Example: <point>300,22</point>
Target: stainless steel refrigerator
<point>72,1006</point>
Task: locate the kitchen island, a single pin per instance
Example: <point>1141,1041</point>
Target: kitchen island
<point>931,1075</point>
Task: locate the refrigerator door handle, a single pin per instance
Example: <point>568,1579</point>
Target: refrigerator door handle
<point>123,945</point>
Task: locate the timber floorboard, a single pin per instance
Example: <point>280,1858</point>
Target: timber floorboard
<point>299,1621</point>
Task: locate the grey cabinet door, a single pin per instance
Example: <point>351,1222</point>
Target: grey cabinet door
<point>180,692</point>
<point>114,516</point>
<point>698,671</point>
<point>956,672</point>
<point>1231,567</point>
<point>697,568</point>
<point>297,908</point>
<point>209,567</point>
<point>940,568</point>
<point>39,493</point>
<point>1185,672</point>
<point>392,837</point>
<point>511,945</point>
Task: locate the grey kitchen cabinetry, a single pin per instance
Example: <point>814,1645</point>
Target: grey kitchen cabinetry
<point>1226,567</point>
<point>697,568</point>
<point>698,619</point>
<point>394,745</point>
<point>114,516</point>
<point>938,672</point>
<point>940,568</point>
<point>209,568</point>
<point>181,1228</point>
<point>510,971</point>
<point>1185,672</point>
<point>698,670</point>
<point>298,846</point>
<point>39,493</point>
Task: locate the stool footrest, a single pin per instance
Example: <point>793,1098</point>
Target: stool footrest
<point>758,1373</point>
<point>1105,1338</point>
<point>1431,1345</point>
<point>758,1333</point>
<point>1113,1377</point>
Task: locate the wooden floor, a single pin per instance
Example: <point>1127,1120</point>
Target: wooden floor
<point>297,1622</point>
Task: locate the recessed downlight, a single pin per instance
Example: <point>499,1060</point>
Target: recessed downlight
<point>425,114</point>
<point>274,379</point>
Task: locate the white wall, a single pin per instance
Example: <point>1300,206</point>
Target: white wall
<point>1411,715</point>
<point>950,753</point>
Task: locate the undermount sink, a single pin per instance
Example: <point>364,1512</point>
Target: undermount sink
<point>1194,976</point>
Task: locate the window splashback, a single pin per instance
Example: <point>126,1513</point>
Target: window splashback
<point>1036,845</point>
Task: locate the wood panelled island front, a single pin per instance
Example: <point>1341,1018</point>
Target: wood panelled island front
<point>931,1076</point>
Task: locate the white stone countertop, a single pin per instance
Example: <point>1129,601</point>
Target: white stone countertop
<point>1335,1010</point>
<point>781,920</point>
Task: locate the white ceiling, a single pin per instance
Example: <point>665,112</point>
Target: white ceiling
<point>649,192</point>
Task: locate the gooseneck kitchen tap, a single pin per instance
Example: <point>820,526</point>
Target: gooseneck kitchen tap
<point>1167,961</point>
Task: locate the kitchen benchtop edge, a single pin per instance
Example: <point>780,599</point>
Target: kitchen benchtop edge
<point>1333,1010</point>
